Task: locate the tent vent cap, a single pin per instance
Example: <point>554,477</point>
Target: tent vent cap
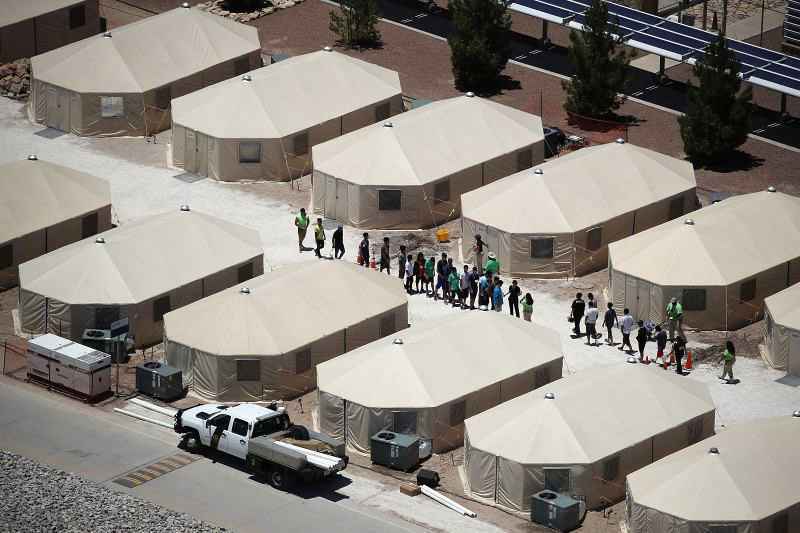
<point>549,396</point>
<point>100,240</point>
<point>620,141</point>
<point>388,125</point>
<point>107,34</point>
<point>771,188</point>
<point>689,222</point>
<point>538,171</point>
<point>185,5</point>
<point>397,341</point>
<point>244,290</point>
<point>328,49</point>
<point>185,207</point>
<point>713,451</point>
<point>247,77</point>
<point>33,157</point>
<point>796,414</point>
<point>631,359</point>
<point>470,94</point>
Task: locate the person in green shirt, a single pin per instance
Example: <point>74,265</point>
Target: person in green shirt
<point>430,266</point>
<point>301,221</point>
<point>454,280</point>
<point>675,317</point>
<point>492,264</point>
<point>527,306</point>
<point>729,357</point>
<point>319,236</point>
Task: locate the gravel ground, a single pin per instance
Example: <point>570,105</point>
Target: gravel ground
<point>38,498</point>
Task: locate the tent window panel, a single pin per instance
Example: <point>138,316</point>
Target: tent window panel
<point>458,411</point>
<point>542,248</point>
<point>382,112</point>
<point>244,272</point>
<point>780,524</point>
<point>695,430</point>
<point>541,377</point>
<point>387,325</point>
<point>694,299</point>
<point>104,316</point>
<point>389,200</point>
<point>525,159</point>
<point>112,107</point>
<point>558,479</point>
<point>248,370</point>
<point>747,290</point>
<point>676,207</point>
<point>441,192</point>
<point>89,225</point>
<point>594,238</point>
<point>301,144</point>
<point>302,361</point>
<point>611,468</point>
<point>249,152</point>
<point>163,97</point>
<point>405,422</point>
<point>6,255</point>
<point>77,17</point>
<point>241,65</point>
<point>161,306</point>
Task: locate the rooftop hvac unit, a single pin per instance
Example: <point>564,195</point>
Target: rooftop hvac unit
<point>160,381</point>
<point>394,450</point>
<point>554,510</point>
<point>68,365</point>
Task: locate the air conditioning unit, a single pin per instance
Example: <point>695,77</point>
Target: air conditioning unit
<point>160,381</point>
<point>102,340</point>
<point>394,450</point>
<point>554,510</point>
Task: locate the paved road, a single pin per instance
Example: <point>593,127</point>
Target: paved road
<point>554,59</point>
<point>102,446</point>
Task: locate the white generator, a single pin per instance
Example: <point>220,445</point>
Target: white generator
<point>69,365</point>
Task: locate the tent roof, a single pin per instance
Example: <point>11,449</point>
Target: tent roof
<point>38,194</point>
<point>596,413</point>
<point>18,10</point>
<point>439,361</point>
<point>613,179</point>
<point>728,242</point>
<point>754,475</point>
<point>146,54</point>
<point>783,307</point>
<point>316,300</point>
<point>141,259</point>
<point>428,143</point>
<point>287,97</point>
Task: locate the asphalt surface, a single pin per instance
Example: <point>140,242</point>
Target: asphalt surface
<point>554,59</point>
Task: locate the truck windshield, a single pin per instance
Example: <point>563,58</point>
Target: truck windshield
<point>268,426</point>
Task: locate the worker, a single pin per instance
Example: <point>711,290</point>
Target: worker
<point>626,325</point>
<point>675,317</point>
<point>513,298</point>
<point>338,242</point>
<point>527,307</point>
<point>319,237</point>
<point>492,264</point>
<point>363,250</point>
<point>729,357</point>
<point>301,221</point>
<point>609,321</point>
<point>641,340</point>
<point>477,249</point>
<point>577,309</point>
<point>590,319</point>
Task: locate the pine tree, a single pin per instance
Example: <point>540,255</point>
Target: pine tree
<point>480,44</point>
<point>600,63</point>
<point>717,117</point>
<point>356,24</point>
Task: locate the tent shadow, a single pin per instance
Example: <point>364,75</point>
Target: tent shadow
<point>791,381</point>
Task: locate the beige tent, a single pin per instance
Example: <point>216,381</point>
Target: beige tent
<point>263,125</point>
<point>121,82</point>
<point>30,27</point>
<point>782,330</point>
<point>583,434</point>
<point>140,270</point>
<point>721,263</point>
<point>557,220</point>
<point>261,339</point>
<point>742,480</point>
<point>427,379</point>
<point>410,172</point>
<point>44,206</point>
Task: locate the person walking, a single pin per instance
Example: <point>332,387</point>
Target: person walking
<point>430,268</point>
<point>454,282</point>
<point>513,298</point>
<point>492,264</point>
<point>363,250</point>
<point>474,278</point>
<point>338,242</point>
<point>527,307</point>
<point>441,277</point>
<point>409,271</point>
<point>661,344</point>
<point>578,307</point>
<point>401,261</point>
<point>319,237</point>
<point>301,221</point>
<point>609,321</point>
<point>626,326</point>
<point>497,295</point>
<point>641,340</point>
<point>464,284</point>
<point>729,357</point>
<point>477,249</point>
<point>675,317</point>
<point>386,258</point>
<point>679,350</point>
<point>591,316</point>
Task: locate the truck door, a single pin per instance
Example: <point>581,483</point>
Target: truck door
<point>236,443</point>
<point>216,431</point>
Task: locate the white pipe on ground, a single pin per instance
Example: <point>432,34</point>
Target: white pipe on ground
<point>444,500</point>
<point>142,417</point>
<point>153,407</point>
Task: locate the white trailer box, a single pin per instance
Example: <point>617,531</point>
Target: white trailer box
<point>69,365</point>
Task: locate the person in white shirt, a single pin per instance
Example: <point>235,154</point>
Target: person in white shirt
<point>626,325</point>
<point>590,319</point>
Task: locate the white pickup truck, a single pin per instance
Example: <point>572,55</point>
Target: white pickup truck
<point>265,438</point>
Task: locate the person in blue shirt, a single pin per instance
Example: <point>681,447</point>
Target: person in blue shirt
<point>497,296</point>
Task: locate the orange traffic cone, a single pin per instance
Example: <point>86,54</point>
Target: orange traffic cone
<point>688,365</point>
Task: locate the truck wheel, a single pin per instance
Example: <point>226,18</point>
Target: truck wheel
<point>280,478</point>
<point>192,442</point>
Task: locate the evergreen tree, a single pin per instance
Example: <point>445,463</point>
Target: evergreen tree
<point>356,24</point>
<point>600,63</point>
<point>717,117</point>
<point>480,43</point>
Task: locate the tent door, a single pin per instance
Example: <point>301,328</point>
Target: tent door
<point>191,151</point>
<point>643,301</point>
<point>202,154</point>
<point>330,197</point>
<point>341,200</point>
<point>57,109</point>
